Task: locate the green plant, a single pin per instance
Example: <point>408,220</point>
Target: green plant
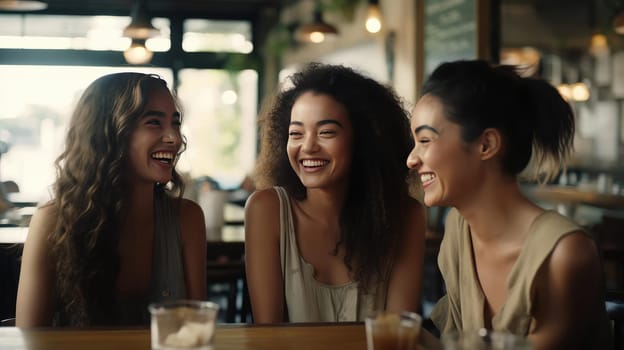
<point>345,7</point>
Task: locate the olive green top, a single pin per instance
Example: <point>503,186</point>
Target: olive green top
<point>462,308</point>
<point>309,300</point>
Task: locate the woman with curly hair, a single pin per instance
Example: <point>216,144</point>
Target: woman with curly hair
<point>332,233</point>
<point>116,236</point>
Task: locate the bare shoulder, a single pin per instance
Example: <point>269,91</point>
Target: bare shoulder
<point>262,202</point>
<point>575,253</point>
<point>262,212</point>
<point>263,197</point>
<point>572,272</point>
<point>189,209</point>
<point>191,220</point>
<point>42,223</point>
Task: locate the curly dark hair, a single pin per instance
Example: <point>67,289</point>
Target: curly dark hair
<point>372,219</point>
<point>90,190</point>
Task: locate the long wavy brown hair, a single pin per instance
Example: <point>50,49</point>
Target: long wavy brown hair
<point>374,214</point>
<point>90,191</point>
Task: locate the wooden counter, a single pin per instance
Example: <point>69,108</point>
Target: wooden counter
<point>573,195</point>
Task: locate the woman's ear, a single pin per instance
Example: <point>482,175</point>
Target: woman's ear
<point>490,143</point>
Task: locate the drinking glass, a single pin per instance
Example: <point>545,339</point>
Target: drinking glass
<point>484,339</point>
<point>392,331</point>
<point>183,324</point>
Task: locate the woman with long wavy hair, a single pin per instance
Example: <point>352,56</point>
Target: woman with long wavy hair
<point>333,233</point>
<point>116,235</point>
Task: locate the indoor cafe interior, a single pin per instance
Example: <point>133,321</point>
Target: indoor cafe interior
<point>226,58</point>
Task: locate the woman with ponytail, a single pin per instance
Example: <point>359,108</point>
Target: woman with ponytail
<point>117,234</point>
<point>508,264</point>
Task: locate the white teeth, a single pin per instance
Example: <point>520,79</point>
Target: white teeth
<point>313,163</point>
<point>163,155</point>
<point>426,177</point>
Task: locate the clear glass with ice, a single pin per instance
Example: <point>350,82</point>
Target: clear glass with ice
<point>183,324</point>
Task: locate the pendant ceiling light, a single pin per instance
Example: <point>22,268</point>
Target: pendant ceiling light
<point>317,31</point>
<point>141,25</point>
<point>22,5</point>
<point>373,17</point>
<point>618,23</point>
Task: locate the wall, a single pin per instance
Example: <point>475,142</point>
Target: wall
<point>356,47</point>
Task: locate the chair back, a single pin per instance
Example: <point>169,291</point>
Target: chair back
<point>9,322</point>
<point>226,280</point>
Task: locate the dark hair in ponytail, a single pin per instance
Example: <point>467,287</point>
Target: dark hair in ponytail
<point>530,113</point>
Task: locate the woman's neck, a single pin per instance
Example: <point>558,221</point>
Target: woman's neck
<point>499,213</point>
<point>323,203</point>
<point>140,202</point>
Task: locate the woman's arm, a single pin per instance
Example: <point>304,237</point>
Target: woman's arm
<point>568,292</point>
<point>36,295</point>
<point>193,234</point>
<point>404,290</point>
<point>262,256</point>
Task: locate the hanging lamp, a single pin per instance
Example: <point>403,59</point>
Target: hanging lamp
<point>373,17</point>
<point>316,31</point>
<point>140,26</point>
<point>22,5</point>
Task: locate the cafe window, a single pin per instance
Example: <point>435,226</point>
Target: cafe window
<point>34,118</point>
<point>219,123</point>
<point>203,35</point>
<point>219,111</point>
<point>75,33</point>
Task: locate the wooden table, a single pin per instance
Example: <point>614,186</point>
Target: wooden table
<point>285,337</point>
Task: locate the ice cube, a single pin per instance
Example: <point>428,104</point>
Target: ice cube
<point>203,330</point>
<point>185,337</point>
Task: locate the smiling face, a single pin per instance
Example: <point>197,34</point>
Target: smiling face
<point>156,140</point>
<point>320,139</point>
<point>448,167</point>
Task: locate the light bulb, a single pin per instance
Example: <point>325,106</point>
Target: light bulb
<point>317,37</point>
<point>580,92</point>
<point>599,45</point>
<point>137,53</point>
<point>565,91</point>
<point>373,19</point>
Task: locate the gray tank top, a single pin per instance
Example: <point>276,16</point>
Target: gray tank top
<point>167,279</point>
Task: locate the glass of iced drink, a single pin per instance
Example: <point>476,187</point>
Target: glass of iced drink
<point>392,331</point>
<point>484,339</point>
<point>183,324</point>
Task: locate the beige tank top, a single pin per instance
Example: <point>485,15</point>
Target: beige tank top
<point>309,300</point>
<point>461,309</point>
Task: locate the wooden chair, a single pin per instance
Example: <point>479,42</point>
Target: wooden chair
<point>9,322</point>
<point>609,235</point>
<point>615,311</point>
<point>226,278</point>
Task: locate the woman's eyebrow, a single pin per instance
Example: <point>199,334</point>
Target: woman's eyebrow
<point>159,114</point>
<point>425,127</point>
<point>329,121</point>
<point>320,122</point>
